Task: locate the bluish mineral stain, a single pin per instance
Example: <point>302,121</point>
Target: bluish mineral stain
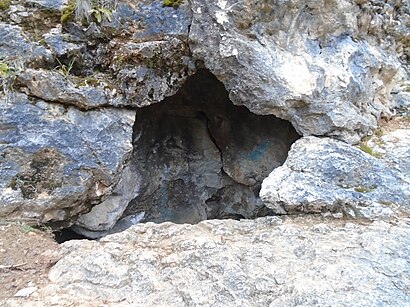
<point>257,153</point>
<point>166,213</point>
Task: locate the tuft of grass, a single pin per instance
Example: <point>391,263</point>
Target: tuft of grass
<point>63,69</point>
<point>4,69</point>
<point>172,3</point>
<point>365,148</point>
<point>86,11</point>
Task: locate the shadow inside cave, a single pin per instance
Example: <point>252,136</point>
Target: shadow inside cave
<point>201,157</point>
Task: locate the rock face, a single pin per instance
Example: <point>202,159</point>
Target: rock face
<point>103,217</point>
<point>263,262</point>
<point>324,175</point>
<point>304,61</point>
<point>120,112</point>
<point>55,162</point>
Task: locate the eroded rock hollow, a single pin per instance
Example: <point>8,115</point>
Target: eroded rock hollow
<point>200,157</point>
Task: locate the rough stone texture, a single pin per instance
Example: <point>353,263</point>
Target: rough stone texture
<point>17,49</point>
<point>325,175</point>
<point>300,60</point>
<point>326,66</point>
<point>103,217</point>
<point>55,161</point>
<point>200,157</point>
<point>401,103</point>
<point>145,53</point>
<point>386,24</point>
<point>394,149</point>
<point>264,262</point>
<point>53,86</point>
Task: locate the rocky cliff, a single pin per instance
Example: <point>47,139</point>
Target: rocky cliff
<point>115,113</point>
<point>81,129</point>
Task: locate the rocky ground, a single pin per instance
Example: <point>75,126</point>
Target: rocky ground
<point>299,261</point>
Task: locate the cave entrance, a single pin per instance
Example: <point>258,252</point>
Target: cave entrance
<point>200,157</point>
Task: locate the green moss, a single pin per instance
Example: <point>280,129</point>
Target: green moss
<point>4,4</point>
<point>362,189</point>
<point>172,3</point>
<point>4,69</point>
<point>379,132</point>
<point>368,150</point>
<point>68,11</point>
<point>386,203</point>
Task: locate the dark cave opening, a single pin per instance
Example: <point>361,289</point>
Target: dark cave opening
<point>201,157</point>
<point>67,234</point>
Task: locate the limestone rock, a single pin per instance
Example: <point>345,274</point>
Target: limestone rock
<point>327,67</point>
<point>56,161</point>
<point>325,175</point>
<point>264,262</point>
<point>145,54</point>
<point>103,217</point>
<point>394,149</point>
<point>401,103</point>
<point>300,61</point>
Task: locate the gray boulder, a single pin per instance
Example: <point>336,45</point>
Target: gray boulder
<point>325,175</point>
<point>56,161</point>
<point>264,262</point>
<point>17,49</point>
<point>103,217</point>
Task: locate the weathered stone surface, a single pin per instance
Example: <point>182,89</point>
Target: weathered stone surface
<point>401,103</point>
<point>386,24</point>
<point>58,161</point>
<point>103,217</point>
<point>327,67</point>
<point>16,48</point>
<point>394,149</point>
<point>264,262</point>
<point>299,60</point>
<point>325,175</point>
<point>144,53</point>
<point>49,4</point>
<point>53,86</point>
